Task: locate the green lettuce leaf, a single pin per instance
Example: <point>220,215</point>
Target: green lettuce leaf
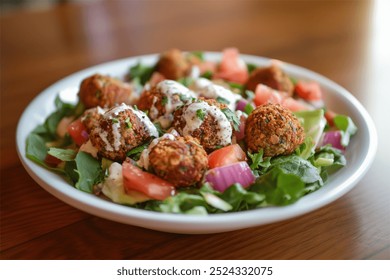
<point>89,170</point>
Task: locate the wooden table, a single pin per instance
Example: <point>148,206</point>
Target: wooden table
<point>343,40</point>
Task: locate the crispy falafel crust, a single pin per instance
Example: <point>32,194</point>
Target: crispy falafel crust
<point>173,64</point>
<point>130,128</point>
<point>181,162</point>
<point>272,76</point>
<point>206,133</point>
<point>274,129</point>
<point>104,91</point>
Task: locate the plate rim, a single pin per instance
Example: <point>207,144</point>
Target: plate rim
<point>204,224</point>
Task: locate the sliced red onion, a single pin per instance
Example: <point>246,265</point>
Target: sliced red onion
<point>223,177</point>
<point>241,104</point>
<point>333,138</point>
<point>85,134</point>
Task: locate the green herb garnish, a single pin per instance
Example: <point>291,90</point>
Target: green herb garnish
<point>200,114</point>
<point>232,117</point>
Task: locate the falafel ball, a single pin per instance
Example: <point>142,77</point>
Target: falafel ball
<point>274,129</point>
<point>104,91</point>
<point>272,76</point>
<point>173,64</point>
<point>181,161</point>
<point>90,118</point>
<point>121,129</point>
<point>163,99</point>
<point>206,121</point>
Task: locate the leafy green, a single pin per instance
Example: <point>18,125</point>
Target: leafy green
<point>135,153</point>
<point>240,198</point>
<point>298,166</point>
<point>62,154</point>
<point>62,109</point>
<point>251,67</point>
<point>258,160</point>
<point>232,117</point>
<point>142,72</point>
<point>279,188</point>
<point>36,149</point>
<point>313,123</point>
<point>347,127</point>
<point>207,75</point>
<point>89,171</point>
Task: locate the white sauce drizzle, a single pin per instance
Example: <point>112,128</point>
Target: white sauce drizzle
<point>175,95</point>
<point>115,126</point>
<point>208,89</point>
<point>193,121</point>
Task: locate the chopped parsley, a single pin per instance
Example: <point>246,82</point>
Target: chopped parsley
<point>115,120</point>
<point>248,108</point>
<point>128,123</point>
<point>164,101</point>
<point>200,114</point>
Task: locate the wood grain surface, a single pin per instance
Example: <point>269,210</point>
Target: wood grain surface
<point>343,40</point>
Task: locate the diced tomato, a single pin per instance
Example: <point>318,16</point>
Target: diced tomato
<point>294,105</point>
<point>232,68</point>
<point>207,66</point>
<point>52,161</point>
<point>310,91</point>
<point>226,155</point>
<point>329,116</point>
<point>264,94</point>
<point>78,132</point>
<point>151,185</point>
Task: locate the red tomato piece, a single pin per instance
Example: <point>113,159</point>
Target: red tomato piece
<point>232,68</point>
<point>78,132</point>
<point>310,91</point>
<point>136,179</point>
<point>329,116</point>
<point>264,95</point>
<point>52,161</point>
<point>226,155</point>
<point>294,105</point>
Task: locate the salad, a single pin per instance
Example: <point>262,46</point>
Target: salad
<point>192,136</point>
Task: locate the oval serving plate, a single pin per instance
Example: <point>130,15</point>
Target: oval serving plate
<point>338,184</point>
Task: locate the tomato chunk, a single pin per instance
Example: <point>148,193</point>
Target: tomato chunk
<point>264,95</point>
<point>329,116</point>
<point>310,91</point>
<point>52,161</point>
<point>136,179</point>
<point>232,68</point>
<point>78,132</point>
<point>226,155</point>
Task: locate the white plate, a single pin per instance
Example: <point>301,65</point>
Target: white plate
<point>360,155</point>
